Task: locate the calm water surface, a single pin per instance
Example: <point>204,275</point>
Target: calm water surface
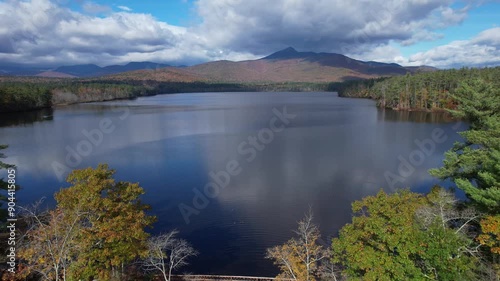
<point>334,151</point>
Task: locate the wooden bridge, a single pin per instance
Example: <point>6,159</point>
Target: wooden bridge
<point>224,277</point>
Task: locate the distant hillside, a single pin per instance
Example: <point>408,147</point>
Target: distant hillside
<point>20,70</point>
<point>296,70</point>
<point>166,74</point>
<point>287,65</point>
<point>92,70</point>
<point>290,65</point>
<point>83,70</point>
<point>55,74</point>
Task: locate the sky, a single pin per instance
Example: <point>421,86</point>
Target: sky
<point>440,33</point>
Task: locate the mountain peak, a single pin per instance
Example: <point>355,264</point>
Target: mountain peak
<point>288,53</point>
<point>289,50</point>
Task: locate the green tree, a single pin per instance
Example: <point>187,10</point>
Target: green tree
<point>387,241</point>
<point>380,241</point>
<point>474,165</point>
<point>448,251</point>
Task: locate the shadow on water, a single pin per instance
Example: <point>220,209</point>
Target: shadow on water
<point>414,116</point>
<point>26,118</point>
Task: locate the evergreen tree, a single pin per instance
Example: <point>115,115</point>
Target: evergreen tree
<point>474,165</point>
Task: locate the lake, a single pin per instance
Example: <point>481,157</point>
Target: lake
<point>233,172</point>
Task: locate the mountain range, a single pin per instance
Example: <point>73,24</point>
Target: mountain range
<point>72,71</point>
<point>283,66</point>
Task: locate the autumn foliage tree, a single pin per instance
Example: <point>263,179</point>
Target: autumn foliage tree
<point>490,238</point>
<point>49,245</point>
<point>491,233</point>
<point>97,228</point>
<point>300,258</point>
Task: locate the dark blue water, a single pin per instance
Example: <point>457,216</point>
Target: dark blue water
<point>273,154</point>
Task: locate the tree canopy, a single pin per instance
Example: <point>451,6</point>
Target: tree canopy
<point>97,227</point>
<point>386,240</point>
<point>434,90</point>
<point>474,164</point>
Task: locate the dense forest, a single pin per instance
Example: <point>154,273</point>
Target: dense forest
<point>23,96</point>
<point>28,95</point>
<point>19,94</point>
<point>431,91</point>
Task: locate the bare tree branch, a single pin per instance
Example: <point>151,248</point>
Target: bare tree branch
<point>167,253</point>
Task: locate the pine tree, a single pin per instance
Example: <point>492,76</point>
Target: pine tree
<point>474,165</point>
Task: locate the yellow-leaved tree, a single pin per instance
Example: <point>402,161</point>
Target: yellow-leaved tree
<point>300,258</point>
<point>97,228</point>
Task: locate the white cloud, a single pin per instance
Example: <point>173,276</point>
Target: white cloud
<point>44,32</point>
<point>125,8</point>
<point>482,50</point>
<point>489,36</point>
<point>48,32</point>
<point>381,53</point>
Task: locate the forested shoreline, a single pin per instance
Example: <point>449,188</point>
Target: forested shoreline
<point>17,94</point>
<point>425,91</point>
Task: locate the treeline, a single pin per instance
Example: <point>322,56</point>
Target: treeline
<point>421,91</point>
<point>16,96</point>
<point>26,95</point>
<point>289,87</point>
<point>29,95</point>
